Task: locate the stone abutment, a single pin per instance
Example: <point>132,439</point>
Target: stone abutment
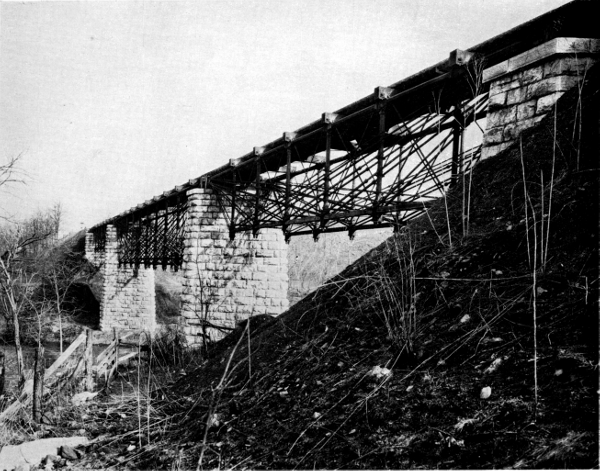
<point>525,88</point>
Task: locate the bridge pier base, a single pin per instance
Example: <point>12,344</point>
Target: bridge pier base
<point>127,301</point>
<point>227,281</point>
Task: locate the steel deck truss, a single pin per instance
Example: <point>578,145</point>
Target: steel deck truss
<point>375,162</point>
<point>374,168</point>
<point>153,237</point>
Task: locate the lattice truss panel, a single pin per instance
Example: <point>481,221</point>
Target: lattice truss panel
<point>153,237</point>
<point>356,171</point>
<point>99,238</point>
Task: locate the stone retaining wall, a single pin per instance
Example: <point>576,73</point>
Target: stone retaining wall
<point>525,88</point>
<point>228,281</point>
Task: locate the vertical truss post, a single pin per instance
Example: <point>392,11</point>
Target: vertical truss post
<point>288,137</point>
<point>354,156</point>
<point>119,226</point>
<point>165,247</point>
<point>138,240</point>
<point>126,251</point>
<point>382,94</point>
<point>147,241</point>
<point>400,187</point>
<point>178,255</point>
<point>328,119</point>
<point>255,224</point>
<point>155,238</point>
<point>457,143</point>
<point>233,202</point>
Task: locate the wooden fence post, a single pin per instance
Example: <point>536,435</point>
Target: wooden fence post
<point>112,368</point>
<point>38,384</point>
<point>89,360</point>
<point>2,373</point>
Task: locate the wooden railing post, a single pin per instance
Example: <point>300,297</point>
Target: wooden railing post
<point>38,384</point>
<point>89,360</point>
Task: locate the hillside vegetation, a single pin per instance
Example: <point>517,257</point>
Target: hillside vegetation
<point>471,349</point>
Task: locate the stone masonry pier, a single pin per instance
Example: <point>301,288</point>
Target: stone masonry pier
<point>228,281</point>
<point>127,296</point>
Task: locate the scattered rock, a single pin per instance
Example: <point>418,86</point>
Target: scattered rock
<point>68,453</point>
<point>494,366</point>
<point>82,397</point>
<point>380,372</point>
<point>31,454</point>
<point>52,458</point>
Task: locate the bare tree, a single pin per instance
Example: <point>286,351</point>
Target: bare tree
<point>16,280</point>
<point>10,174</point>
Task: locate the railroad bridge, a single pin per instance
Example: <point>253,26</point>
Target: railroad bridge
<point>377,162</point>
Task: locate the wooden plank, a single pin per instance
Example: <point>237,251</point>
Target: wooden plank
<point>66,354</point>
<point>27,391</point>
<point>115,362</point>
<point>89,361</point>
<point>102,355</point>
<point>38,384</point>
<point>127,357</point>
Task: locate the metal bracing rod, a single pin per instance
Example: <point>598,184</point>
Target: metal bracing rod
<point>433,169</point>
<point>309,203</point>
<point>412,188</point>
<point>405,206</point>
<point>432,174</point>
<point>155,241</point>
<point>364,183</point>
<point>437,150</point>
<point>457,128</point>
<point>288,177</point>
<point>138,239</point>
<point>401,164</point>
<point>359,222</point>
<point>121,245</point>
<point>178,255</point>
<point>233,203</point>
<point>257,199</point>
<point>380,158</point>
<point>147,241</point>
<point>272,206</point>
<point>388,165</point>
<point>346,228</point>
<point>130,245</point>
<point>341,184</point>
<point>326,175</point>
<point>426,164</point>
<point>165,248</point>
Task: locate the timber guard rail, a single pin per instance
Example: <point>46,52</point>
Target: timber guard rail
<point>377,162</point>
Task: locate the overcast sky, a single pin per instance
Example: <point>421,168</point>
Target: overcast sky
<point>111,103</point>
